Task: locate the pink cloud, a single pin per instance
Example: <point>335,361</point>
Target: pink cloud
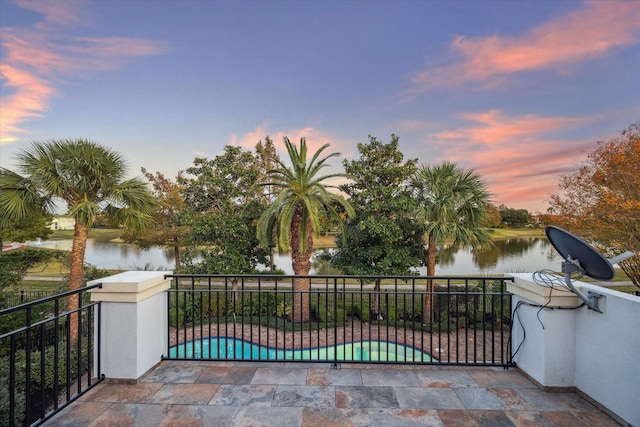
<point>249,140</point>
<point>496,129</point>
<point>516,155</point>
<point>66,13</point>
<point>38,59</point>
<point>585,34</point>
<point>28,100</point>
<point>315,139</point>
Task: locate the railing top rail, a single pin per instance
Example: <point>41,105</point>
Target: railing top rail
<point>49,298</point>
<point>47,320</point>
<point>321,276</point>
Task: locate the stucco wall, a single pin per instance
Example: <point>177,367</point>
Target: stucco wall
<point>608,353</point>
<point>134,322</point>
<point>596,353</point>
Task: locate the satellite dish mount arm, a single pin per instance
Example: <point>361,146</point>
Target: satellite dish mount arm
<point>570,266</point>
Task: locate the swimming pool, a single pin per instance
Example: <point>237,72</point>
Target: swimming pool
<point>237,349</point>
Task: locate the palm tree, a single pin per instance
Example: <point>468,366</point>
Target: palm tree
<point>452,204</point>
<point>86,176</point>
<point>295,215</point>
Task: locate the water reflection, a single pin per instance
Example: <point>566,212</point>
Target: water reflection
<point>119,256</point>
<point>509,248</point>
<point>320,266</point>
<point>446,257</point>
<point>507,256</point>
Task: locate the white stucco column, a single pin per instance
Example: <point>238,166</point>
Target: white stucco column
<point>134,322</point>
<point>543,339</point>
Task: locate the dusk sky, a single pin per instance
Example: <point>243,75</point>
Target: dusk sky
<point>517,90</point>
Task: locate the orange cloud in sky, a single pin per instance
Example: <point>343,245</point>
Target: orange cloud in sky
<point>497,129</point>
<point>315,139</point>
<point>39,58</point>
<point>513,153</point>
<point>28,100</point>
<point>585,34</point>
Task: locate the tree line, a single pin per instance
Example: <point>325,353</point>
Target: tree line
<point>228,214</point>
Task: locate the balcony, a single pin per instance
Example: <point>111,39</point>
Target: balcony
<point>490,357</point>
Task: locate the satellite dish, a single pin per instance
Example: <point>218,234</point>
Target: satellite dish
<point>582,258</point>
<point>591,262</point>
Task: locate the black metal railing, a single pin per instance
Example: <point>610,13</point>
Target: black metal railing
<point>13,298</point>
<point>48,355</point>
<point>372,319</point>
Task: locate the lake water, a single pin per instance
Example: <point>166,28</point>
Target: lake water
<point>507,256</point>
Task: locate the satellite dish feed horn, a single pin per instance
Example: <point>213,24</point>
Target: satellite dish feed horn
<point>580,257</point>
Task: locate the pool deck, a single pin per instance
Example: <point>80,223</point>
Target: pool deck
<point>193,393</point>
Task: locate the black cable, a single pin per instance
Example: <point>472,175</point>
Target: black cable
<point>524,333</point>
<point>545,278</point>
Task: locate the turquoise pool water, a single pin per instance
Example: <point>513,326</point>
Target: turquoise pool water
<point>232,348</point>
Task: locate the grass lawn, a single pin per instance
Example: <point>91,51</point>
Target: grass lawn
<point>324,242</point>
<point>54,268</point>
<point>619,276</point>
<point>496,234</point>
<point>96,233</point>
<point>508,233</point>
<point>627,289</point>
<point>36,285</point>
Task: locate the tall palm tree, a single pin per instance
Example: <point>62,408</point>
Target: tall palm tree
<point>295,215</point>
<point>452,205</point>
<point>88,178</point>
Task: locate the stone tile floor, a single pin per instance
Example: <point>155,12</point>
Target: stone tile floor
<point>295,394</point>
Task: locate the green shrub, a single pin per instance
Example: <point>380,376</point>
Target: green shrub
<point>14,265</point>
<point>36,377</point>
<point>267,304</point>
<point>176,317</point>
<point>330,314</point>
<point>391,314</point>
<point>363,311</point>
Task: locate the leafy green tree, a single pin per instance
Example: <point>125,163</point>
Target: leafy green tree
<point>383,238</point>
<point>516,218</point>
<point>223,208</point>
<point>600,201</point>
<point>452,205</point>
<point>294,215</point>
<point>265,155</point>
<point>24,210</point>
<point>88,178</point>
<point>14,265</point>
<point>33,227</point>
<point>493,217</point>
<point>168,230</point>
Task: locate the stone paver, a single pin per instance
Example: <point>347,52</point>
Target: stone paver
<point>244,395</point>
<point>444,378</point>
<point>280,376</point>
<point>305,396</point>
<point>389,377</point>
<point>366,397</point>
<point>281,394</point>
<point>186,394</point>
<point>334,377</point>
<point>428,398</point>
<point>226,375</point>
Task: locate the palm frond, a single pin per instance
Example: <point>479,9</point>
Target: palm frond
<point>299,185</point>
